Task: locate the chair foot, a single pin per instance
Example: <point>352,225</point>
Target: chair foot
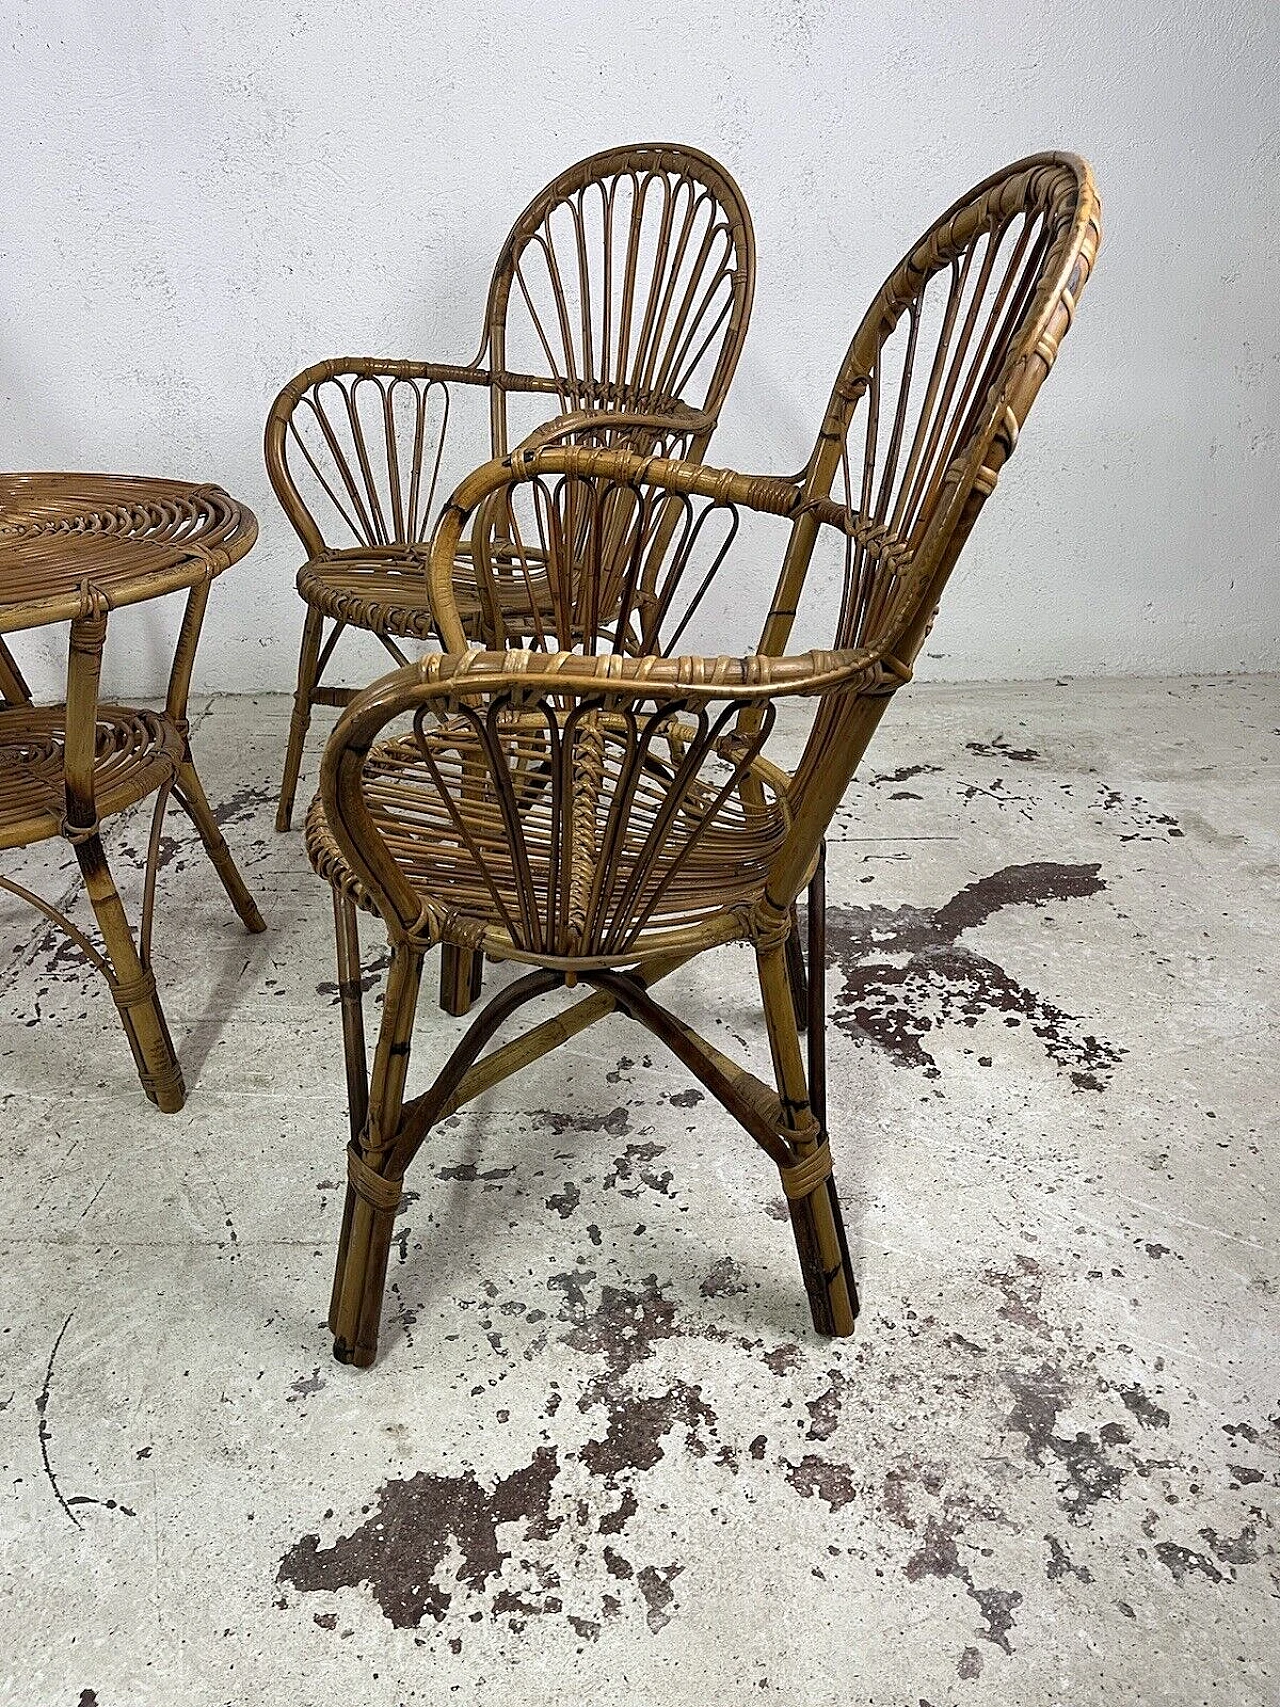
<point>360,1275</point>
<point>461,978</point>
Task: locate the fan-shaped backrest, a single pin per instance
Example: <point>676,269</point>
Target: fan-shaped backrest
<point>936,383</point>
<point>625,285</point>
<point>628,280</point>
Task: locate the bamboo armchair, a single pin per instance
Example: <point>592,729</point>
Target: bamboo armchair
<point>623,289</point>
<point>604,813</point>
<point>73,548</point>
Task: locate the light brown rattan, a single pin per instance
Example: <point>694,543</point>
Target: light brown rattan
<point>73,548</point>
<point>605,813</point>
<point>624,289</point>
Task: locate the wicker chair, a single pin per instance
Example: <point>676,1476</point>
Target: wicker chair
<point>624,287</point>
<point>604,814</point>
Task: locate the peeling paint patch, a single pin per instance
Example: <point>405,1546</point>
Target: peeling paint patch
<point>401,1552</point>
<point>833,1483</point>
<point>906,973</point>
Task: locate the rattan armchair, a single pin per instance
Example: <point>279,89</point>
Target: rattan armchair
<point>623,289</point>
<point>605,812</point>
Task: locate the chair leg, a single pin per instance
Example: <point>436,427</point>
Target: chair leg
<point>192,798</point>
<point>816,989</point>
<point>134,987</point>
<point>351,1000</point>
<point>355,1307</point>
<point>13,686</point>
<point>797,976</point>
<point>816,1220</point>
<point>461,977</point>
<point>300,722</point>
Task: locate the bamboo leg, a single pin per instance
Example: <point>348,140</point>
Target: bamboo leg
<point>461,977</point>
<point>816,991</point>
<point>815,1214</point>
<point>797,977</point>
<point>191,796</point>
<point>134,988</point>
<point>300,722</point>
<point>351,999</point>
<point>369,1214</point>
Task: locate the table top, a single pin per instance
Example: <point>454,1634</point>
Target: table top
<point>74,543</point>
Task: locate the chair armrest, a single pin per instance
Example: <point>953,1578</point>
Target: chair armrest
<point>340,462</point>
<point>679,421</point>
<point>696,704</point>
<point>612,471</point>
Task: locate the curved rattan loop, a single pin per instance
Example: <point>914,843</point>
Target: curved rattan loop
<point>595,803</point>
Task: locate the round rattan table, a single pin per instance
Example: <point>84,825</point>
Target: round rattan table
<point>73,548</point>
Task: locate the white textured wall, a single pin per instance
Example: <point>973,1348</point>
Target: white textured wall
<point>197,200</point>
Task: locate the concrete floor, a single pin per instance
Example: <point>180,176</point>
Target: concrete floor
<point>602,1458</point>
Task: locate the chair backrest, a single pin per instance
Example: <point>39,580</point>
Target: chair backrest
<point>628,281</point>
<point>928,402</point>
<point>625,286</point>
<point>924,412</point>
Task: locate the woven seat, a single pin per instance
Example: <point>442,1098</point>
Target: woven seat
<point>135,752</point>
<point>384,589</point>
<point>686,876</point>
<point>597,803</point>
<point>616,315</point>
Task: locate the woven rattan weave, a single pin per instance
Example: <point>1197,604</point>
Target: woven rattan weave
<point>599,805</point>
<point>623,289</point>
<point>73,548</point>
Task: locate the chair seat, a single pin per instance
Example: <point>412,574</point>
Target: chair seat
<point>383,589</point>
<point>136,752</point>
<point>686,880</point>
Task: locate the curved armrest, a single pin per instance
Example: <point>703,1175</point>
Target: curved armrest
<point>375,462</point>
<point>565,692</point>
<point>678,421</point>
<point>612,468</point>
<point>347,474</point>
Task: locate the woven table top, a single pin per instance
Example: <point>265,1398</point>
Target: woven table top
<point>74,543</point>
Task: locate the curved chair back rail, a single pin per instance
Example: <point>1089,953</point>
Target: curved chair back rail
<point>605,812</point>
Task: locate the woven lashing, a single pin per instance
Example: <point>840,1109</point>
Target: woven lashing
<point>379,1192</point>
<point>672,873</point>
<point>803,1178</point>
<point>135,752</point>
<point>384,589</point>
